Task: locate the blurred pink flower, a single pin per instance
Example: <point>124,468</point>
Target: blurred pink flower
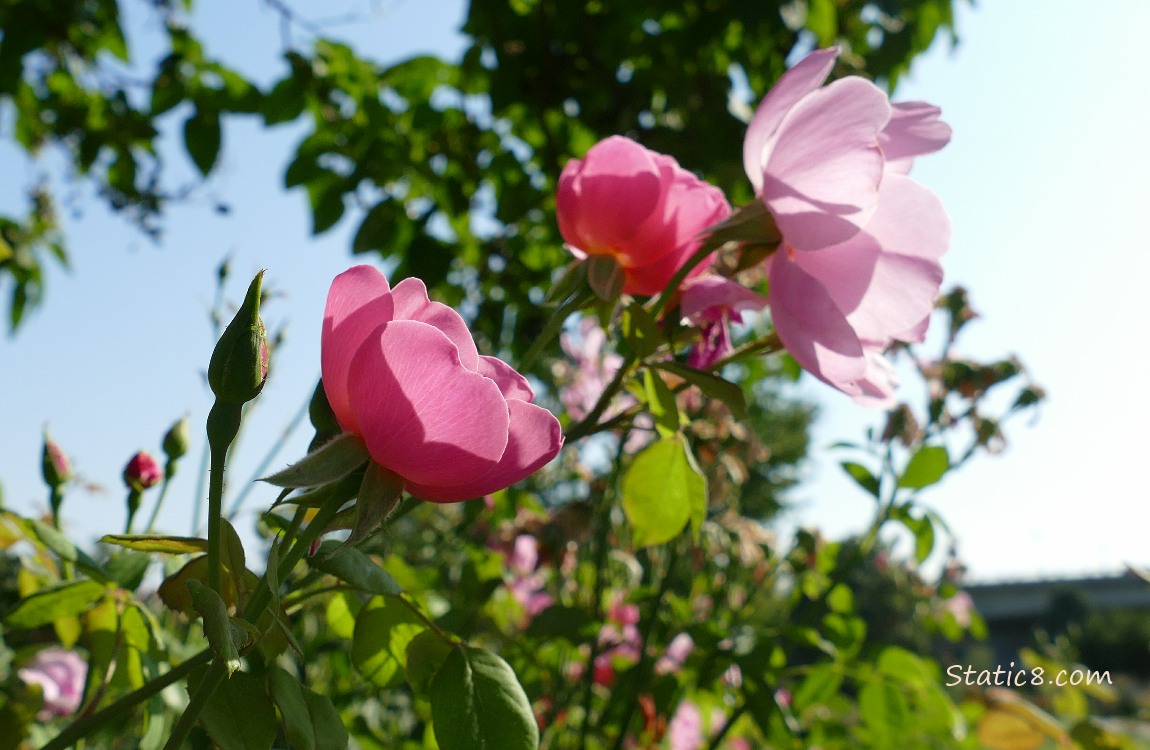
<point>961,605</point>
<point>637,206</point>
<point>676,654</point>
<point>712,302</point>
<point>594,367</point>
<point>526,584</point>
<point>142,472</point>
<point>685,732</point>
<point>858,267</point>
<point>403,373</point>
<point>60,675</point>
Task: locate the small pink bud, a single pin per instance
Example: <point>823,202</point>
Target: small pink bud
<point>56,468</point>
<point>142,472</point>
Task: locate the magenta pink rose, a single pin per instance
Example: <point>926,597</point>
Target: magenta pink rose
<point>60,675</point>
<point>858,267</point>
<point>637,206</point>
<point>403,373</point>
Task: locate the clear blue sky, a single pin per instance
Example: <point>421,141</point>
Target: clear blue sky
<point>1043,180</point>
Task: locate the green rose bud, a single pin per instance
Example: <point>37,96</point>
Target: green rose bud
<point>239,364</point>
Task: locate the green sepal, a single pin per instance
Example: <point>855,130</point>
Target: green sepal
<point>331,462</point>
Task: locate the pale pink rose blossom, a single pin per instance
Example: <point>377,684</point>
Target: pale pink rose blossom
<point>858,267</point>
<point>402,372</point>
<point>637,206</point>
<point>60,675</point>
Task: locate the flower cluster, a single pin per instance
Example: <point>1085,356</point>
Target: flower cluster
<point>857,265</point>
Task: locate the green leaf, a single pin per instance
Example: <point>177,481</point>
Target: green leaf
<point>54,541</point>
<point>477,703</point>
<point>711,385</point>
<point>662,492</point>
<point>202,138</point>
<point>661,403</point>
<point>425,655</point>
<point>862,475</point>
<point>239,715</point>
<point>310,720</point>
<point>904,666</point>
<point>926,466</point>
<point>383,630</point>
<point>822,682</point>
<point>331,462</point>
<point>128,568</point>
<point>354,567</point>
<point>340,614</point>
<point>640,330</point>
<point>884,711</point>
<point>170,545</point>
<point>822,20</point>
<point>560,621</point>
<point>54,603</point>
<point>284,102</point>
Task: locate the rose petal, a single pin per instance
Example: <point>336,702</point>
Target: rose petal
<point>805,77</point>
<point>412,303</point>
<point>914,130</point>
<point>886,278</point>
<point>823,174</point>
<point>876,388</point>
<point>812,328</point>
<point>358,302</point>
<point>708,297</point>
<point>511,383</point>
<point>422,414</point>
<point>535,438</point>
<point>603,199</point>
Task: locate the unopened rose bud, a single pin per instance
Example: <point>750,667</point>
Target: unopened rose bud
<point>239,364</point>
<point>142,472</point>
<point>55,467</point>
<point>176,441</point>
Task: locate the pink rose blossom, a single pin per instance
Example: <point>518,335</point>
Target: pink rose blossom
<point>403,373</point>
<point>60,675</point>
<point>858,267</point>
<point>637,206</point>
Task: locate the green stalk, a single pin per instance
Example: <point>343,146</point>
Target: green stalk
<point>644,638</point>
<point>216,674</point>
<point>223,426</point>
